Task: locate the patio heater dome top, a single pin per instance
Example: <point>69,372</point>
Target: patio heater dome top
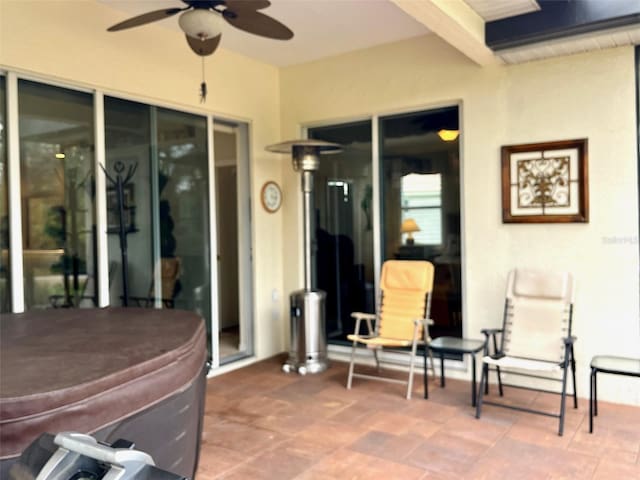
<point>305,153</point>
<point>319,146</point>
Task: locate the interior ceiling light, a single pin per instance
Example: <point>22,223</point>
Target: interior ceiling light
<point>60,155</point>
<point>201,21</point>
<point>448,135</point>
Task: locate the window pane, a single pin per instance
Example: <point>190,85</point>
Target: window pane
<point>419,194</point>
<point>5,285</point>
<point>56,165</point>
<point>431,221</point>
<point>344,230</point>
<point>165,207</point>
<point>421,190</point>
<point>128,146</point>
<point>183,186</point>
<point>420,185</point>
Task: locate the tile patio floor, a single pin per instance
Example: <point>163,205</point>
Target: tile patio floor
<point>263,424</point>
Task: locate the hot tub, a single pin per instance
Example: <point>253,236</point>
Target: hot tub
<point>137,374</point>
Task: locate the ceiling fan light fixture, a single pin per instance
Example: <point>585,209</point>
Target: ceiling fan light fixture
<point>200,23</point>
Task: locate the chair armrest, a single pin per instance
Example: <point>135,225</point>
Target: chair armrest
<point>570,340</point>
<point>490,331</point>
<point>370,316</point>
<point>424,321</point>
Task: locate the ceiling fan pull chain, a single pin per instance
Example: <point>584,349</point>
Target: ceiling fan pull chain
<point>203,85</point>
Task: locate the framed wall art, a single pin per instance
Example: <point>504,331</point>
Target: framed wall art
<point>545,182</point>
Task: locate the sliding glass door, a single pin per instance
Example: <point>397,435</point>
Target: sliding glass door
<point>420,192</point>
<point>419,212</point>
<point>159,254</point>
<point>128,154</point>
<point>235,291</point>
<point>58,197</point>
<point>159,192</point>
<point>183,280</point>
<point>344,226</point>
<point>5,280</point>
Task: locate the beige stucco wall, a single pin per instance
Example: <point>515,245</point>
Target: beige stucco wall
<point>588,95</point>
<point>66,41</point>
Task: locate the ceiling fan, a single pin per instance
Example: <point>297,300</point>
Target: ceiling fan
<point>200,21</point>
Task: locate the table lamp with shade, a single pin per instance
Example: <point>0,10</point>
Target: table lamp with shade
<point>409,226</point>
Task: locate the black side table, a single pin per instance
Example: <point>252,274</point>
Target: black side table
<point>458,346</point>
<point>629,367</point>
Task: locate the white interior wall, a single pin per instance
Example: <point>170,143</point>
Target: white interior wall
<point>588,95</point>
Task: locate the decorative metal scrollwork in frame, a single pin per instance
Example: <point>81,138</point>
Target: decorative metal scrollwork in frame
<point>545,182</point>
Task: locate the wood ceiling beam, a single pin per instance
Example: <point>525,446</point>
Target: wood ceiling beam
<point>456,23</point>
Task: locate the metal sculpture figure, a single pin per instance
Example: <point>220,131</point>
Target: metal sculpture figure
<point>118,184</point>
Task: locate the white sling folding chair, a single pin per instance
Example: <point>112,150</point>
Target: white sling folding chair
<point>536,337</point>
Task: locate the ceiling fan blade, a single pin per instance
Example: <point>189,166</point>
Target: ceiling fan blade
<point>145,18</point>
<point>255,22</point>
<point>204,47</point>
<point>254,5</point>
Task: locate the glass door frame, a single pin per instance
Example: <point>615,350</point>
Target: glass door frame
<point>102,258</point>
<point>245,244</point>
<point>375,119</point>
<point>375,178</point>
<point>16,250</point>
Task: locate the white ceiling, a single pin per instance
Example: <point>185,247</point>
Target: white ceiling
<point>325,28</point>
<point>322,28</point>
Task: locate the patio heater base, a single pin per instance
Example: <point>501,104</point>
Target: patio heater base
<point>308,346</point>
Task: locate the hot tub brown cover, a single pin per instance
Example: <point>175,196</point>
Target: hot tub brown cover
<point>83,369</point>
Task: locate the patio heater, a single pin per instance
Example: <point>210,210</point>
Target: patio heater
<point>308,345</point>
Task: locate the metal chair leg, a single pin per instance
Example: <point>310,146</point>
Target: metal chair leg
<point>483,379</point>
<point>425,377</point>
<point>573,372</point>
<point>563,399</point>
<point>433,365</point>
<point>353,357</point>
<point>595,393</point>
<point>495,350</point>
<point>591,385</point>
<point>410,381</point>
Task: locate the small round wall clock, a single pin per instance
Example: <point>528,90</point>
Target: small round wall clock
<point>271,196</point>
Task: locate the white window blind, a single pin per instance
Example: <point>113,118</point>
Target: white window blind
<point>421,199</point>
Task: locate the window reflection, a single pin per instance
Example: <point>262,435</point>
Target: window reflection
<point>56,163</point>
<point>168,243</point>
<point>421,200</point>
<point>420,185</point>
<point>128,141</point>
<point>5,302</point>
<point>183,188</point>
<point>344,235</point>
